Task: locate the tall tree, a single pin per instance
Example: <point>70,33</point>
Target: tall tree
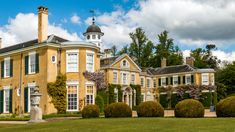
<point>114,50</point>
<point>204,57</point>
<point>124,50</point>
<point>141,48</point>
<point>167,49</point>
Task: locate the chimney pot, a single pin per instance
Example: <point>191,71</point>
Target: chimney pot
<point>42,23</point>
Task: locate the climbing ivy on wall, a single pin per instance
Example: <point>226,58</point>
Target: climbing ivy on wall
<point>138,93</point>
<point>57,90</point>
<point>111,88</point>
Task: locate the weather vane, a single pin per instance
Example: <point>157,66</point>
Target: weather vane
<point>93,14</point>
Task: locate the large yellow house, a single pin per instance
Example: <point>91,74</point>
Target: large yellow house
<point>38,62</point>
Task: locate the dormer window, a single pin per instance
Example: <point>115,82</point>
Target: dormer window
<point>125,63</point>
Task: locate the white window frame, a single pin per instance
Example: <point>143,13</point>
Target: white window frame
<point>72,83</point>
<point>93,94</point>
<point>133,81</point>
<point>175,77</point>
<point>127,64</point>
<point>54,60</point>
<point>29,62</point>
<point>72,52</point>
<point>148,84</point>
<point>186,80</point>
<point>89,52</point>
<point>205,74</point>
<point>127,78</point>
<point>162,81</point>
<point>115,81</point>
<point>6,88</point>
<point>141,81</point>
<point>30,86</point>
<point>116,94</point>
<point>8,59</point>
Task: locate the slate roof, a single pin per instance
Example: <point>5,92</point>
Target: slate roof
<point>170,70</point>
<point>51,38</point>
<point>105,62</point>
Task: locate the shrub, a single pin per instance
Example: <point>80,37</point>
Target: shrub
<point>226,107</point>
<point>99,101</point>
<point>150,109</point>
<point>118,110</point>
<point>189,108</point>
<point>90,111</point>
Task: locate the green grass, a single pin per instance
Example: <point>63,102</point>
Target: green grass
<point>130,125</point>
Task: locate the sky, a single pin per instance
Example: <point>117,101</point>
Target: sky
<point>191,23</point>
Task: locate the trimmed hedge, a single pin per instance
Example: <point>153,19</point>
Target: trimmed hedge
<point>90,111</point>
<point>150,109</point>
<point>226,107</point>
<point>189,108</point>
<point>206,99</point>
<point>99,101</point>
<point>118,110</point>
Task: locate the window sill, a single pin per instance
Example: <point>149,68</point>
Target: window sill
<point>6,77</point>
<point>72,71</point>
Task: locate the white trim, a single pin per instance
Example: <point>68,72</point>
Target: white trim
<point>162,81</point>
<point>54,60</point>
<point>93,94</point>
<point>148,78</point>
<point>88,52</point>
<point>186,82</point>
<point>114,71</point>
<point>29,68</point>
<point>77,88</point>
<point>30,85</point>
<point>72,52</point>
<point>7,88</point>
<point>89,83</point>
<point>175,85</point>
<point>72,82</point>
<point>127,77</point>
<point>143,81</point>
<point>134,78</point>
<point>208,78</point>
<point>127,63</point>
<point>7,59</point>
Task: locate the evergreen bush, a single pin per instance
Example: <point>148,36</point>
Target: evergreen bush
<point>90,111</point>
<point>150,109</point>
<point>226,107</point>
<point>99,101</point>
<point>118,110</point>
<point>189,108</point>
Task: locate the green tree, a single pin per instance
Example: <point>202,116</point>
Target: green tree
<point>124,50</point>
<point>167,49</point>
<point>226,76</point>
<point>114,50</point>
<point>204,58</point>
<point>140,48</point>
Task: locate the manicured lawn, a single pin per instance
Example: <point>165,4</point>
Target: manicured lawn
<point>130,125</point>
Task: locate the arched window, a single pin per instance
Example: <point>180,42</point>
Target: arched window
<point>124,63</point>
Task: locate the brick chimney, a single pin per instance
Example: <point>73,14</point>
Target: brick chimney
<point>108,53</point>
<point>190,61</point>
<point>42,23</point>
<point>0,43</point>
<point>163,62</point>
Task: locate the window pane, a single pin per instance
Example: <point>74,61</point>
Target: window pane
<point>72,97</point>
<point>72,62</point>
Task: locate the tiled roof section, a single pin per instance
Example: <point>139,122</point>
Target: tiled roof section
<point>170,70</point>
<point>30,43</point>
<point>104,62</point>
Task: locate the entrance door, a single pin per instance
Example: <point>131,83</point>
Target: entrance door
<point>6,100</point>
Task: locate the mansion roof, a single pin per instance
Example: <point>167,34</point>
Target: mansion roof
<point>170,69</point>
<point>51,38</point>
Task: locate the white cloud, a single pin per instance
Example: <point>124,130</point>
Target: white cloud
<point>190,22</point>
<point>24,28</point>
<point>75,19</point>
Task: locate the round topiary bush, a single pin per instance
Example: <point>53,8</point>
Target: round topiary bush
<point>90,111</point>
<point>118,110</point>
<point>226,107</point>
<point>99,101</point>
<point>150,109</point>
<point>189,108</point>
